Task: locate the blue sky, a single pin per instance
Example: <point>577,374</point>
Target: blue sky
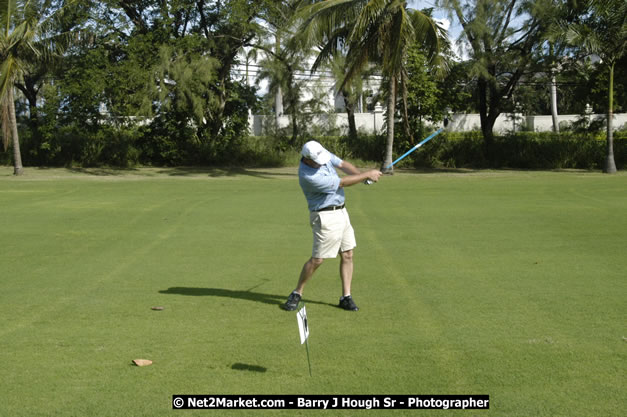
<point>439,14</point>
<point>453,27</point>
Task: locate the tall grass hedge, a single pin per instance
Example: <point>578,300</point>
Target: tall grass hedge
<point>132,146</point>
<point>524,150</point>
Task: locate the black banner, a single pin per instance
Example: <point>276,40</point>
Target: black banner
<point>331,402</point>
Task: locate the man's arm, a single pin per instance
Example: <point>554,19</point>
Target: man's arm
<point>349,168</point>
<point>355,176</point>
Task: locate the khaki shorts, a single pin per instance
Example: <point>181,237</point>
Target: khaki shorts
<point>332,233</point>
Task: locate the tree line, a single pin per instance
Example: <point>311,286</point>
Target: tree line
<point>154,81</point>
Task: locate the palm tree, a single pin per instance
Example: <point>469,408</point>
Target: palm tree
<point>10,38</point>
<point>350,92</point>
<point>370,32</point>
<point>281,63</point>
<point>603,31</point>
<point>558,15</point>
<point>249,56</point>
<point>280,69</point>
<point>24,38</point>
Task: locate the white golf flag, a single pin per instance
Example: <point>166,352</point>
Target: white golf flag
<point>303,326</point>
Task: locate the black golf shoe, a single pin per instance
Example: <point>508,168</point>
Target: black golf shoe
<point>347,303</point>
<point>292,302</point>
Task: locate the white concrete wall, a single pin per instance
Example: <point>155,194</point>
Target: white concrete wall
<point>368,122</point>
<point>374,122</point>
<point>545,123</point>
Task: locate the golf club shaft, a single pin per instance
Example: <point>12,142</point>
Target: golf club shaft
<point>434,134</point>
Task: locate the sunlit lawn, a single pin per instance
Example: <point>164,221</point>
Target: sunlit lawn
<point>510,284</point>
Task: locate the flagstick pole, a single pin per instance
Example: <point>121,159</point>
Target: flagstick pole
<point>308,360</point>
<point>300,306</point>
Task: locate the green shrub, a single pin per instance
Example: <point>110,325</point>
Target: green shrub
<point>254,151</point>
<point>166,144</point>
<point>73,145</point>
<point>523,150</point>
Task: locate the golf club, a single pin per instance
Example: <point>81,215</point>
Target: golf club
<point>431,136</point>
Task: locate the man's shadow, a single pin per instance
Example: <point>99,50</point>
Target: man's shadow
<point>277,300</point>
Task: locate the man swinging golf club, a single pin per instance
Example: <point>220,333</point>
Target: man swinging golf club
<point>332,230</point>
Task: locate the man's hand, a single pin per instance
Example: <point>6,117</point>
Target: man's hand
<point>349,180</point>
<point>374,174</point>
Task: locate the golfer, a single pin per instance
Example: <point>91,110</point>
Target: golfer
<point>332,230</point>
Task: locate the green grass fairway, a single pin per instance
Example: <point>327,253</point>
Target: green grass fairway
<point>510,284</point>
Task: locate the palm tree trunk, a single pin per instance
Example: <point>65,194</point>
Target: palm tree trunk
<point>610,165</point>
<point>556,126</point>
<point>278,104</point>
<point>487,123</point>
<point>18,169</point>
<point>389,147</point>
<point>294,114</point>
<point>293,103</point>
<point>350,114</point>
<point>278,98</point>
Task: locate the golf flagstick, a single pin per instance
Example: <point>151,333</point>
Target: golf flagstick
<point>427,139</point>
<point>303,328</point>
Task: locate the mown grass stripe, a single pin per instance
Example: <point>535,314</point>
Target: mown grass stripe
<point>505,283</point>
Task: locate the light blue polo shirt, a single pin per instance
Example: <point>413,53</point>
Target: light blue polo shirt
<point>321,186</point>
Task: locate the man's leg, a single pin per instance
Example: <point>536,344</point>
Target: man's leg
<point>346,271</point>
<point>307,272</point>
<point>305,275</point>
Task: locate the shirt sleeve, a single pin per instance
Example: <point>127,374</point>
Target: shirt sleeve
<point>335,161</point>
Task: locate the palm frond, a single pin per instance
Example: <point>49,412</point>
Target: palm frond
<point>330,49</point>
<point>8,69</point>
<point>27,35</point>
<point>318,20</point>
<point>368,18</point>
<point>8,8</point>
